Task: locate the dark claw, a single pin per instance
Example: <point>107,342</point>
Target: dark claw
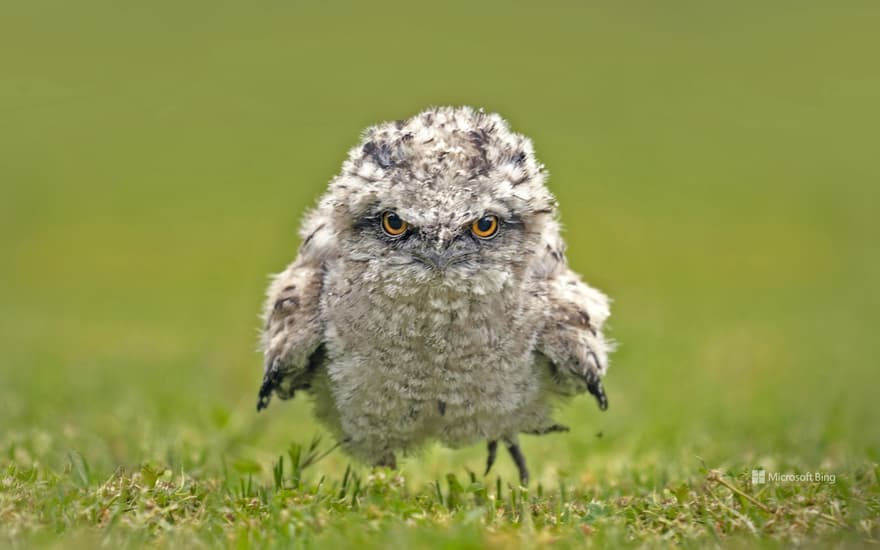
<point>520,460</point>
<point>493,452</point>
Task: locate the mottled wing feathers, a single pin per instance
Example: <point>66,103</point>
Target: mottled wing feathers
<point>293,331</point>
<point>572,338</point>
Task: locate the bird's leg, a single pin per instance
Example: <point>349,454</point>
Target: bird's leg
<point>493,452</point>
<point>387,461</point>
<point>512,444</point>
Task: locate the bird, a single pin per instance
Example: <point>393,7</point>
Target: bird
<point>430,299</point>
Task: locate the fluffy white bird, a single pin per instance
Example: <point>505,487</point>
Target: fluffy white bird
<point>431,298</point>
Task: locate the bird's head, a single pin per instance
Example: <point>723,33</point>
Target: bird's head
<point>451,195</point>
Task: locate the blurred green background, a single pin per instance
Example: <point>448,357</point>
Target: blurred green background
<point>716,166</point>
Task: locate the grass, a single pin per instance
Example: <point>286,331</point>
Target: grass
<point>717,176</point>
<point>159,506</point>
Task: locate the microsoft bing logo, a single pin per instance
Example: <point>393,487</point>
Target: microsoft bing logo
<point>759,477</point>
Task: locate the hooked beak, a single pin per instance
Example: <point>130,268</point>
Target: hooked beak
<point>440,260</point>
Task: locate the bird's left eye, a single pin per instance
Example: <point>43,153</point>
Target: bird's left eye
<point>486,227</point>
<point>393,225</point>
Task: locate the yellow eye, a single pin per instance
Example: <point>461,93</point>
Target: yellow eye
<point>393,225</point>
<point>485,227</point>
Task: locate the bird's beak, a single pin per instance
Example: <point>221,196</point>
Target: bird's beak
<point>442,254</point>
<point>436,260</point>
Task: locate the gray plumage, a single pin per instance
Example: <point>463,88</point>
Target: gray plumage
<point>467,325</point>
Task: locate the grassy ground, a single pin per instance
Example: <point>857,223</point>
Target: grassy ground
<point>717,173</point>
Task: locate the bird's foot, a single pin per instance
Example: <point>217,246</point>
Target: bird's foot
<point>493,452</point>
<point>516,453</point>
<point>387,461</point>
<point>519,459</point>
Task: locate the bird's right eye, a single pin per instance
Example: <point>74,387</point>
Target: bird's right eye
<point>393,225</point>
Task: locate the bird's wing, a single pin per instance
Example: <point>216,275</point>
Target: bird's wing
<point>572,337</point>
<point>292,339</point>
